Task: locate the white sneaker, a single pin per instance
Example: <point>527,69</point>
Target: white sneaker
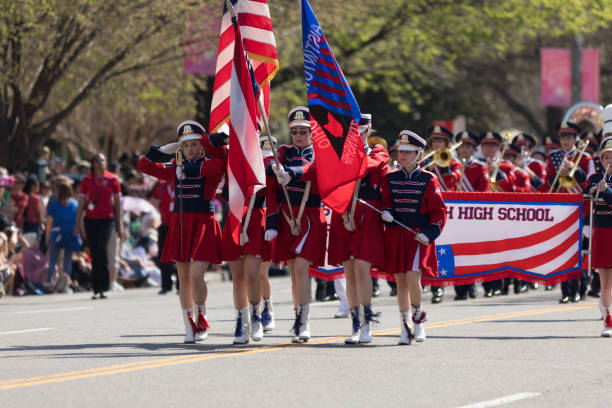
<point>340,314</point>
<point>406,335</point>
<point>116,287</point>
<point>369,317</point>
<point>201,323</point>
<point>419,330</point>
<point>356,322</point>
<point>304,333</point>
<point>366,333</point>
<point>189,327</point>
<point>606,332</point>
<point>241,334</point>
<point>257,332</point>
<point>267,316</point>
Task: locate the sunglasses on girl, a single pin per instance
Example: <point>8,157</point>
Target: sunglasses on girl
<point>300,132</point>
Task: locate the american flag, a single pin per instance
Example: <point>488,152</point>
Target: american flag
<point>260,45</point>
<point>335,116</point>
<point>245,168</point>
<point>500,235</point>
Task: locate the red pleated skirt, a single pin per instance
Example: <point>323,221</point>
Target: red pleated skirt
<point>201,236</point>
<point>367,242</point>
<point>309,244</point>
<point>401,253</point>
<point>255,246</point>
<point>601,249</point>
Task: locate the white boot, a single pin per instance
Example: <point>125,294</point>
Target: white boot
<point>602,310</point>
<point>406,336</point>
<point>189,326</point>
<point>354,338</point>
<point>607,330</point>
<point>241,334</point>
<point>267,316</point>
<point>419,317</point>
<point>305,322</point>
<point>201,323</point>
<point>256,321</point>
<point>369,317</point>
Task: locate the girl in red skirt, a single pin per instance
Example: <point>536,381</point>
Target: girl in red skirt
<point>194,236</point>
<point>602,230</point>
<point>303,229</point>
<point>356,238</point>
<point>412,197</point>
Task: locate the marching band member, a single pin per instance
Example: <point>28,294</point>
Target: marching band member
<point>534,167</point>
<point>490,144</point>
<point>522,183</point>
<point>551,143</point>
<point>594,140</point>
<point>600,184</point>
<point>411,196</point>
<point>194,236</point>
<point>474,177</point>
<point>356,239</point>
<point>440,138</point>
<point>304,236</point>
<point>474,174</point>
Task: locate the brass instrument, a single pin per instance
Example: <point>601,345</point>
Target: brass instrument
<point>460,183</point>
<point>569,181</point>
<point>493,177</point>
<point>441,157</point>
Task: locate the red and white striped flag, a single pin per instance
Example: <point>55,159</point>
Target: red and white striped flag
<point>260,45</point>
<point>245,168</point>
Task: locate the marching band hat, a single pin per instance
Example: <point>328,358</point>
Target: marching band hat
<point>513,150</point>
<point>491,137</point>
<point>606,145</point>
<point>567,128</point>
<point>264,142</point>
<point>440,132</point>
<point>299,116</point>
<point>523,138</point>
<point>540,152</point>
<point>592,140</point>
<point>410,141</point>
<point>607,114</point>
<point>467,137</point>
<point>365,123</point>
<point>190,130</point>
<point>552,143</point>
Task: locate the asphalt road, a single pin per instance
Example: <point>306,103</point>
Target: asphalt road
<point>516,350</point>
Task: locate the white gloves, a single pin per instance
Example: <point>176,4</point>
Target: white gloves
<point>586,231</point>
<point>170,148</point>
<point>422,238</point>
<point>386,216</point>
<point>281,175</point>
<point>270,234</point>
<point>244,238</point>
<point>180,174</point>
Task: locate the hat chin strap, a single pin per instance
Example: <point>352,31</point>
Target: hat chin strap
<point>416,159</point>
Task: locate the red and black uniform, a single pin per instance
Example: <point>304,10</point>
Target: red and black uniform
<point>601,224</point>
<point>509,182</point>
<point>200,238</point>
<point>310,242</point>
<point>415,200</point>
<point>522,181</point>
<point>475,176</point>
<point>585,168</point>
<point>448,177</point>
<point>539,181</point>
<point>367,241</point>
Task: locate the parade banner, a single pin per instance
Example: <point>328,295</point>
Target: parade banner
<point>590,88</point>
<point>556,72</point>
<point>489,236</point>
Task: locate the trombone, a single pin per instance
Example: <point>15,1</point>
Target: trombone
<point>441,157</point>
<point>493,177</point>
<point>569,181</point>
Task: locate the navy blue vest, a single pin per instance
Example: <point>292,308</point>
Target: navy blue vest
<point>407,192</point>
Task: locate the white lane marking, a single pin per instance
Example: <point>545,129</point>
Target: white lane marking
<point>54,310</point>
<point>27,331</point>
<point>503,400</point>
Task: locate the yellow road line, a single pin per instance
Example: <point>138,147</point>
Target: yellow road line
<point>194,358</point>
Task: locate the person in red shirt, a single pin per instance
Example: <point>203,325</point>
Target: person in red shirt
<point>164,197</point>
<point>34,211</point>
<point>19,200</point>
<point>99,199</point>
<point>194,235</point>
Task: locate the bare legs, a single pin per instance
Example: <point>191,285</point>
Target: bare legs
<point>409,291</point>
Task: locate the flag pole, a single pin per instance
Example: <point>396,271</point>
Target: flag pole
<point>293,225</point>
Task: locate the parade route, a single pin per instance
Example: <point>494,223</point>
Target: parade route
<point>515,350</point>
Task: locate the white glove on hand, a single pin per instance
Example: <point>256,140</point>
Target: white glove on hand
<point>170,148</point>
<point>281,175</point>
<point>244,238</point>
<point>180,174</point>
<point>270,234</point>
<point>422,238</point>
<point>386,216</point>
<point>586,231</point>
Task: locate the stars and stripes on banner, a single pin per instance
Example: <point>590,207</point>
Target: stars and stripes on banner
<point>245,168</point>
<point>532,237</point>
<point>260,45</point>
<point>334,118</point>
